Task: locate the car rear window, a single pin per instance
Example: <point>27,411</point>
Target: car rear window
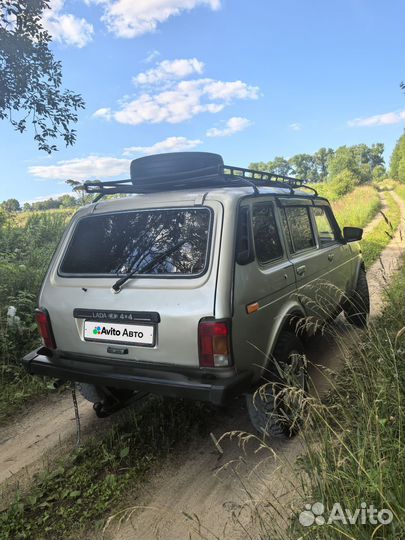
<point>114,244</point>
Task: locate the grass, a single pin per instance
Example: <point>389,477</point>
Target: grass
<point>354,439</point>
<point>77,493</point>
<point>26,247</point>
<point>400,190</point>
<point>349,212</point>
<point>379,237</point>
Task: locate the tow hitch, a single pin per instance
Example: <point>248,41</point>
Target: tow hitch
<point>111,403</point>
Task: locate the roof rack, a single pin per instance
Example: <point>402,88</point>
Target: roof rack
<point>263,178</point>
<point>147,176</point>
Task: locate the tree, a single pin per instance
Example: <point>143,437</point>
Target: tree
<point>345,158</point>
<point>11,205</point>
<point>321,158</point>
<point>303,167</point>
<point>67,201</point>
<point>31,79</point>
<point>279,166</point>
<point>376,155</point>
<point>379,173</point>
<point>397,162</point>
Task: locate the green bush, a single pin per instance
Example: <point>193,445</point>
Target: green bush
<point>343,183</point>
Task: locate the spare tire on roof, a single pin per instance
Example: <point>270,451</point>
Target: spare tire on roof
<point>176,170</point>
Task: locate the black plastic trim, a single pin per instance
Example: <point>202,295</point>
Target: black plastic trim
<point>191,384</point>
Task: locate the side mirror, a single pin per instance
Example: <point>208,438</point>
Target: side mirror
<point>352,234</point>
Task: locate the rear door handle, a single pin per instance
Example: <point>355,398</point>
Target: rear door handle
<point>301,270</point>
<point>330,256</point>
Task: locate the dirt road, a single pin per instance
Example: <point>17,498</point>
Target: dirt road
<point>191,482</point>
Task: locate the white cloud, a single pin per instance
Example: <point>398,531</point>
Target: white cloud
<point>180,102</point>
<point>171,144</point>
<point>86,168</point>
<point>169,70</point>
<point>132,18</point>
<point>295,126</point>
<point>151,56</point>
<point>233,125</point>
<point>104,112</point>
<point>378,120</point>
<point>65,27</point>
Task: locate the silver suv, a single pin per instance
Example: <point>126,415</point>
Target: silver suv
<point>195,286</point>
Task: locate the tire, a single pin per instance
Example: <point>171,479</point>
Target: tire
<point>358,305</point>
<point>267,407</point>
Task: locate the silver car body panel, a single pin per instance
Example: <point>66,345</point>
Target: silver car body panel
<point>223,292</point>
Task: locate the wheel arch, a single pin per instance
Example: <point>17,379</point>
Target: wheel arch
<point>286,320</point>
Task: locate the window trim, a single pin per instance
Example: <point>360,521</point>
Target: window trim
<point>310,219</point>
<point>268,263</point>
<point>141,276</point>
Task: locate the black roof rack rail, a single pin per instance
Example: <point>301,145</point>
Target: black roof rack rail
<point>217,175</point>
<point>262,178</point>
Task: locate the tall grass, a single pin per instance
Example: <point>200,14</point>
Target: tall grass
<point>357,208</point>
<point>379,237</point>
<point>354,437</point>
<point>26,247</point>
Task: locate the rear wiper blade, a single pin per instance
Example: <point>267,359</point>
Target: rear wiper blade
<point>120,282</point>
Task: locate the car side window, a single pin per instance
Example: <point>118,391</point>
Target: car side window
<point>265,232</point>
<point>299,224</point>
<point>326,231</point>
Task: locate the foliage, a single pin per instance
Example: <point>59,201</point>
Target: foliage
<point>354,440</point>
<point>348,211</point>
<point>360,160</point>
<point>26,247</point>
<point>30,77</point>
<point>100,477</point>
<point>378,238</point>
<point>397,163</point>
<point>10,205</point>
<point>326,164</point>
<point>344,182</point>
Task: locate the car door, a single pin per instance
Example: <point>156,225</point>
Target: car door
<point>262,284</point>
<point>334,254</point>
<point>304,253</point>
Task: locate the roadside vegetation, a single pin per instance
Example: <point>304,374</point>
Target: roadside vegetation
<point>349,212</point>
<point>103,476</point>
<point>26,247</point>
<point>379,237</point>
<point>354,439</point>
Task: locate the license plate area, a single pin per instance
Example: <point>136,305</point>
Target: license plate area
<point>140,334</point>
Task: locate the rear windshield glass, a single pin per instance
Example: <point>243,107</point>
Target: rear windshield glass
<point>153,242</point>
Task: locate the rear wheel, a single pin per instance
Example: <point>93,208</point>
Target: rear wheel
<point>358,305</point>
<point>275,407</point>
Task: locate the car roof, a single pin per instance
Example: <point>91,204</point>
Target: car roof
<point>225,195</point>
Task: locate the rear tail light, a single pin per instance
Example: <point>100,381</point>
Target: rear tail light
<point>214,343</point>
<point>45,328</point>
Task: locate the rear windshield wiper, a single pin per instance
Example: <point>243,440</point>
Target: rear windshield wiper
<point>120,282</point>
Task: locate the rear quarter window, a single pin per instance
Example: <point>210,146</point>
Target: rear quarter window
<point>265,231</point>
<point>114,244</point>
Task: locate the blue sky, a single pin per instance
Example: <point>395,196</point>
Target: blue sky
<point>250,79</point>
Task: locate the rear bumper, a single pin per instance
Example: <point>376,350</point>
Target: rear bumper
<point>103,372</point>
